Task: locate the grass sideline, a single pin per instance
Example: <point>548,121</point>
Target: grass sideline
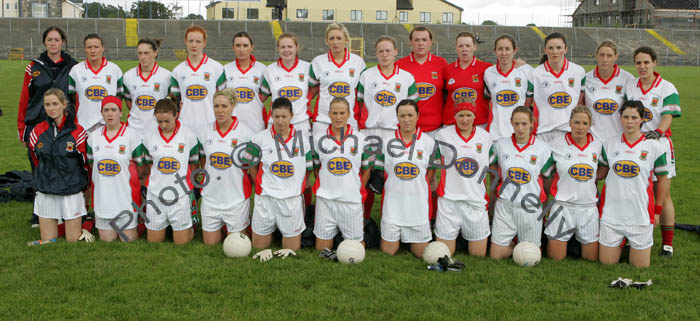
<point>114,281</point>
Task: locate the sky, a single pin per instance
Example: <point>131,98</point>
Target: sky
<point>504,12</point>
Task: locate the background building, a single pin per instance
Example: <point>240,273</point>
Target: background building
<point>388,11</point>
<point>42,8</point>
<point>682,14</point>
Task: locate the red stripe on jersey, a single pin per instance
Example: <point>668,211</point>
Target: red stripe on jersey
<point>641,138</point>
<point>258,180</point>
<point>443,180</point>
<point>296,62</point>
<point>615,73</point>
<point>431,206</point>
<point>505,75</point>
<point>292,131</point>
<point>398,135</point>
<point>153,71</point>
<point>655,84</point>
<point>201,62</point>
<point>102,65</point>
<point>563,68</point>
<point>536,115</point>
<point>601,204</point>
<point>555,181</point>
<point>570,140</point>
<point>395,72</point>
<point>252,63</point>
<point>134,183</point>
<point>346,57</point>
<point>177,128</point>
<point>650,195</point>
<point>530,141</point>
<point>233,126</point>
<point>119,132</point>
<point>363,191</point>
<point>543,195</point>
<point>317,184</point>
<point>247,186</point>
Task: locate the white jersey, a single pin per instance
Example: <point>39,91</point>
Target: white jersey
<point>279,175</point>
<point>339,176</point>
<point>628,194</point>
<point>521,167</point>
<point>604,97</point>
<point>506,90</point>
<point>661,99</point>
<point>335,80</point>
<point>109,159</point>
<point>196,86</point>
<point>228,185</point>
<point>465,179</point>
<point>406,193</point>
<point>170,156</point>
<point>143,94</point>
<point>292,83</point>
<point>381,94</point>
<point>249,109</point>
<point>91,86</point>
<point>576,168</point>
<point>555,95</point>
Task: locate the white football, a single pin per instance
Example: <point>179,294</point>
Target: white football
<point>237,245</point>
<point>350,252</point>
<point>526,254</point>
<point>434,251</point>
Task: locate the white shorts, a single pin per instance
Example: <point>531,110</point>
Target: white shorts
<point>453,216</point>
<point>177,215</point>
<point>667,143</point>
<point>66,207</point>
<point>550,136</point>
<point>332,216</point>
<point>122,221</point>
<point>236,218</point>
<point>583,219</point>
<point>640,237</point>
<point>511,220</point>
<point>406,234</point>
<point>272,213</point>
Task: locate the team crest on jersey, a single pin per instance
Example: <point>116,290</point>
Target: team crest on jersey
<point>518,82</point>
<point>475,78</point>
<point>40,145</point>
<point>571,82</point>
<point>36,73</point>
<point>70,146</point>
<point>180,148</point>
<point>296,151</point>
<point>618,89</point>
<point>352,72</point>
<point>234,143</point>
<point>301,77</point>
<point>643,155</point>
<point>122,149</point>
<point>533,159</point>
<point>353,151</point>
<point>654,101</point>
<point>156,86</point>
<point>478,147</point>
<point>434,75</point>
<point>595,157</point>
<point>397,87</point>
<point>207,76</point>
<point>109,79</point>
<point>256,79</point>
<point>420,154</point>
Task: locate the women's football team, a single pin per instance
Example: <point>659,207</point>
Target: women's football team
<point>428,131</point>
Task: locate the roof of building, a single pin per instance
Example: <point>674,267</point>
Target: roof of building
<point>454,5</point>
<point>675,4</point>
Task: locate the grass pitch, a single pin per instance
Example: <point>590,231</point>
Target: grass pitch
<point>114,281</point>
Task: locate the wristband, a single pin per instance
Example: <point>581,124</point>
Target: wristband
<point>658,209</point>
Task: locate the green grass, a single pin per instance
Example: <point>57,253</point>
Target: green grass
<point>114,281</point>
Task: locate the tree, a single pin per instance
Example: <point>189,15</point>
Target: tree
<point>100,10</point>
<point>531,25</point>
<point>489,23</point>
<point>150,10</point>
<point>193,16</point>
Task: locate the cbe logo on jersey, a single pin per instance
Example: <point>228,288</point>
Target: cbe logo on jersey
<point>339,166</point>
<point>339,89</point>
<point>385,98</point>
<point>605,106</point>
<point>145,102</point>
<point>464,92</point>
<point>290,92</point>
<point>196,92</point>
<point>581,172</point>
<point>95,93</point>
<point>518,175</point>
<point>406,171</point>
<point>626,169</point>
<point>245,94</point>
<point>507,98</point>
<point>283,169</point>
<point>108,167</point>
<point>168,165</point>
<point>425,90</point>
<point>467,167</point>
<point>559,100</point>
<point>220,160</point>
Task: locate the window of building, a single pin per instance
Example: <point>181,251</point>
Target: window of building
<point>302,13</point>
<point>403,16</point>
<point>40,10</point>
<point>252,13</point>
<point>447,17</point>
<point>356,15</point>
<point>381,15</point>
<point>7,6</point>
<point>691,17</point>
<point>327,14</point>
<point>227,13</point>
<point>425,17</point>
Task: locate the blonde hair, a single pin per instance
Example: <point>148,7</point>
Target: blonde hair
<point>385,38</point>
<point>290,36</point>
<point>607,43</point>
<point>525,110</point>
<point>58,93</point>
<point>230,94</point>
<point>582,109</point>
<point>340,27</point>
<point>339,100</point>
